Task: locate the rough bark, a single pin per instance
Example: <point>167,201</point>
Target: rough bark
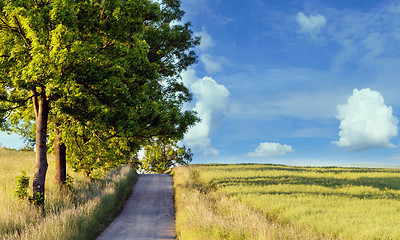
<point>41,106</point>
<point>60,158</point>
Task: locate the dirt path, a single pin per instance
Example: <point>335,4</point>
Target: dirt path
<point>148,213</point>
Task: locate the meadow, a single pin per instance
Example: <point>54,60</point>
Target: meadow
<point>283,202</point>
<point>80,213</point>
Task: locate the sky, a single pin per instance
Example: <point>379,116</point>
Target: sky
<point>293,82</point>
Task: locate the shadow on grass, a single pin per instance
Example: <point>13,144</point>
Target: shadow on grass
<point>381,183</point>
<point>275,167</point>
<point>386,195</point>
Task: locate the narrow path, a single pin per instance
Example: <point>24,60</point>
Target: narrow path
<point>148,213</point>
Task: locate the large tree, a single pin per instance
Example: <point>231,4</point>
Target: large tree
<point>104,71</point>
<point>106,132</point>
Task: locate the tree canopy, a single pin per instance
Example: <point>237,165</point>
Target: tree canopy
<point>104,71</point>
<point>160,155</point>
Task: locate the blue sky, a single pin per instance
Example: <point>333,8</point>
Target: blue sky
<point>293,82</point>
<point>296,82</point>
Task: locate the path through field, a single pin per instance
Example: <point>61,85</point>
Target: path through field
<point>148,213</point>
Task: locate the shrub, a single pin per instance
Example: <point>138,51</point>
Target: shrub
<point>22,182</point>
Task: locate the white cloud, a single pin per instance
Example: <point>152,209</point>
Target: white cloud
<point>265,149</point>
<point>206,40</point>
<point>366,122</point>
<point>211,106</point>
<point>367,39</point>
<point>189,77</point>
<point>211,65</point>
<point>311,25</point>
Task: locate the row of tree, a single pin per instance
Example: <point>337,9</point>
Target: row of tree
<point>94,79</point>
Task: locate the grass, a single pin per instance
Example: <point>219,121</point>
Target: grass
<point>78,214</point>
<point>203,212</point>
<point>310,202</point>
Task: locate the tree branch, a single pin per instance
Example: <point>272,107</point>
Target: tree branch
<point>96,95</point>
<point>35,101</point>
<point>108,44</point>
<point>107,138</point>
<point>18,31</point>
<point>18,101</point>
<point>21,32</point>
<point>9,110</point>
<point>8,26</point>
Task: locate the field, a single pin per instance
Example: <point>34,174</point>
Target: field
<point>281,202</point>
<point>80,213</point>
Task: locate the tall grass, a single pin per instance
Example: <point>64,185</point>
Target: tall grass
<point>204,213</point>
<point>344,203</point>
<point>81,213</point>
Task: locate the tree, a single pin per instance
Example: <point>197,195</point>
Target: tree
<point>98,69</point>
<point>30,70</point>
<point>106,132</point>
<point>161,155</point>
<point>94,151</point>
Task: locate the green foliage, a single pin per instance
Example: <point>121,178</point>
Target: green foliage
<point>125,88</point>
<point>109,70</point>
<point>160,156</point>
<point>195,182</point>
<point>69,182</point>
<point>36,199</point>
<point>22,182</point>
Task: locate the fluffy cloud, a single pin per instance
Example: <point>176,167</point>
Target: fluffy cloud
<point>311,25</point>
<point>211,106</point>
<point>366,122</point>
<point>211,64</point>
<point>270,149</point>
<point>206,40</point>
<point>189,77</point>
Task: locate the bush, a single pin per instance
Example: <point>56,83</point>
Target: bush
<point>22,182</point>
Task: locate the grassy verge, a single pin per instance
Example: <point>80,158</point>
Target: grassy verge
<point>343,203</point>
<point>203,212</point>
<point>82,213</point>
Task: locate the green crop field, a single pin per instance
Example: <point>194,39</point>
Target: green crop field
<point>325,202</point>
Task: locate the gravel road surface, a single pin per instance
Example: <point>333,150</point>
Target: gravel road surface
<point>148,213</point>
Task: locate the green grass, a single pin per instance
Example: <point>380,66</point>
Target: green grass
<point>343,203</point>
<point>202,212</point>
<point>78,214</point>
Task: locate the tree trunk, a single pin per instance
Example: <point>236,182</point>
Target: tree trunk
<point>60,157</point>
<point>41,106</point>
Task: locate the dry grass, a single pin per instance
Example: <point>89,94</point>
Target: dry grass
<point>78,214</point>
<point>203,213</point>
<point>342,203</point>
<point>350,203</point>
